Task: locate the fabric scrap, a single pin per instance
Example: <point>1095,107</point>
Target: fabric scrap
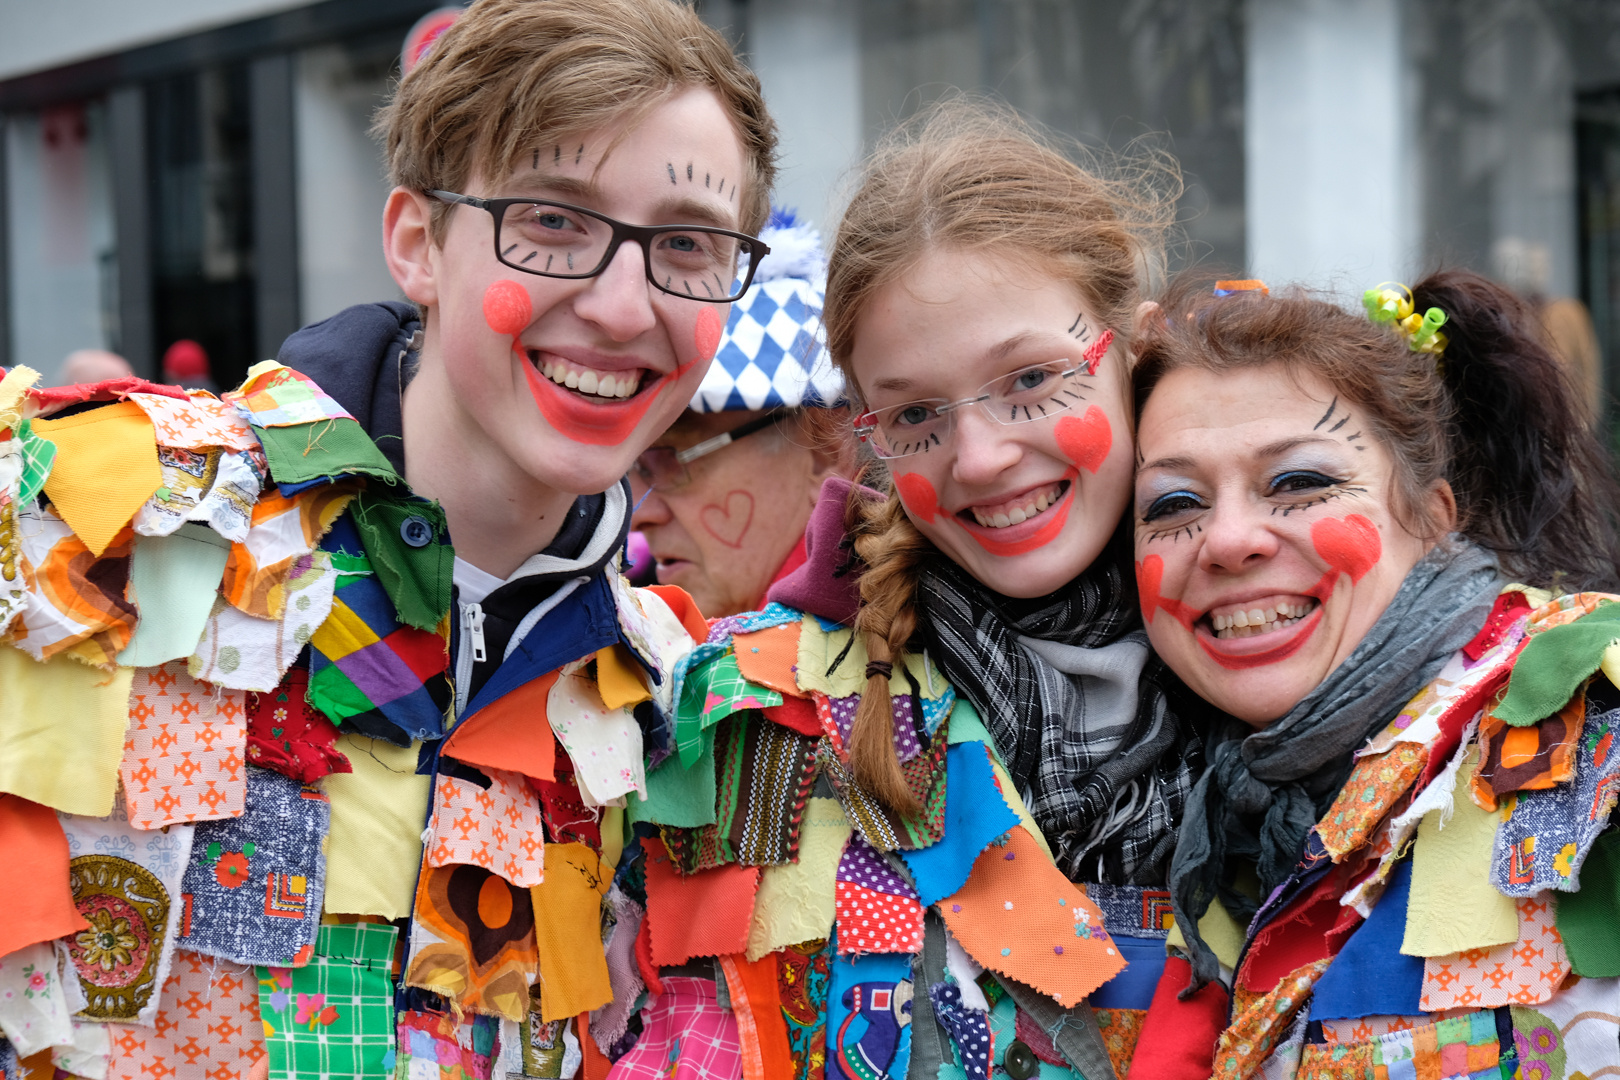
<point>243,652</point>
<point>1528,972</point>
<point>619,679</point>
<point>335,1017</point>
<point>725,895</point>
<point>677,795</point>
<point>1178,1037</point>
<point>877,909</point>
<point>36,852</point>
<point>322,452</point>
<point>609,1023</point>
<point>604,744</point>
<point>1555,662</point>
<point>208,1025</point>
<point>1256,1030</point>
<point>274,395</point>
<point>253,889</point>
<point>568,911</point>
<point>803,977</point>
<point>1133,988</point>
<point>106,467</point>
<point>762,1033</point>
<point>1532,758</point>
<point>1375,783</point>
<point>1575,1033</point>
<point>375,846</point>
<point>200,421</point>
<point>1453,906</point>
<point>216,488</point>
<point>35,1013</point>
<point>1134,910</point>
<point>969,1029</point>
<point>685,1033</point>
<point>286,733</point>
<point>283,530</point>
<point>508,733</point>
<point>417,579</point>
<point>183,752</point>
<point>126,884</point>
<point>795,902</point>
<point>770,657</point>
<point>1545,835</point>
<point>473,940</point>
<point>1019,916</point>
<point>498,827</point>
<point>1585,919</point>
<point>975,814</point>
<point>172,580</point>
<point>435,1046</point>
<point>76,601</point>
<point>869,1017</point>
<point>1370,976</point>
<point>71,767</point>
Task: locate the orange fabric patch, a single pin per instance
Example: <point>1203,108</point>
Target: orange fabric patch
<point>1018,915</point>
<point>1121,1028</point>
<point>761,1027</point>
<point>510,733</point>
<point>770,657</point>
<point>1260,1024</point>
<point>1534,758</point>
<point>106,467</point>
<point>282,531</point>
<point>37,853</point>
<point>183,750</point>
<point>567,918</point>
<point>1526,972</point>
<point>724,896</point>
<point>498,828</point>
<point>1374,786</point>
<point>207,1025</point>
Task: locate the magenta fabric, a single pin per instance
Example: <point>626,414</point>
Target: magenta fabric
<point>817,587</point>
<point>685,1035</point>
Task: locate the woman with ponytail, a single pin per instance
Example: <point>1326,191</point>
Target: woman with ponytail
<point>1382,547</point>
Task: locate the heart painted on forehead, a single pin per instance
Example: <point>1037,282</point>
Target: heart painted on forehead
<point>1086,440</point>
<point>506,307</point>
<point>1351,546</point>
<point>706,336</point>
<point>729,522</point>
<point>918,495</point>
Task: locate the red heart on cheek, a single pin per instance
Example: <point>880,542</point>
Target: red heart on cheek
<point>1149,579</point>
<point>1351,546</point>
<point>1086,440</point>
<point>918,495</point>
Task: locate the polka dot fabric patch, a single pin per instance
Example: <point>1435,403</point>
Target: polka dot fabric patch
<point>969,1029</point>
<point>1019,916</point>
<point>877,910</point>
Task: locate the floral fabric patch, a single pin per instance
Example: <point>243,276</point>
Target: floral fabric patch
<point>434,1046</point>
<point>334,1018</point>
<point>215,487</point>
<point>34,1008</point>
<point>126,883</point>
<point>288,734</point>
<point>183,751</point>
<point>1574,1033</point>
<point>253,888</point>
<point>244,652</point>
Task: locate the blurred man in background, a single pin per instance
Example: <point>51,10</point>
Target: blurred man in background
<point>91,366</point>
<point>723,497</point>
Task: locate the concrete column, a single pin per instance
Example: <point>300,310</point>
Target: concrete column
<point>807,54</point>
<point>1332,168</point>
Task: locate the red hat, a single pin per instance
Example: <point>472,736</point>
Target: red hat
<point>185,359</point>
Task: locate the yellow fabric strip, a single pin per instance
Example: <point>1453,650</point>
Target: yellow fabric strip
<point>342,633</point>
<point>795,901</point>
<point>62,731</point>
<point>375,844</point>
<point>619,679</point>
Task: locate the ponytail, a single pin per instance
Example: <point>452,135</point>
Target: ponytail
<point>891,549</point>
<point>1532,481</point>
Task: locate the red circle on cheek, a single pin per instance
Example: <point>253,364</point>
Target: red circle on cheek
<point>1351,546</point>
<point>707,334</point>
<point>506,307</point>
<point>918,495</point>
<point>1086,440</point>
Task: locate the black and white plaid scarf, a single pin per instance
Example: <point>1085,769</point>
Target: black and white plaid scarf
<point>1078,710</point>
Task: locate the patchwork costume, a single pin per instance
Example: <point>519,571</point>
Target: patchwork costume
<point>1453,912</point>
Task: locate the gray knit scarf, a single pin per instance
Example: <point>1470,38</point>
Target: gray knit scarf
<point>1264,790</point>
<point>1077,705</point>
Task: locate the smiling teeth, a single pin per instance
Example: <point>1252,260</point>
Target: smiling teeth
<point>596,383</point>
<point>1257,621</point>
<point>1015,515</point>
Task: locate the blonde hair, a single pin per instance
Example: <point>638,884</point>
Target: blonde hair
<point>512,75</point>
<point>969,176</point>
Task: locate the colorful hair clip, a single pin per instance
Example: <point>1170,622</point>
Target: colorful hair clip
<point>1394,307</point>
<point>1227,288</point>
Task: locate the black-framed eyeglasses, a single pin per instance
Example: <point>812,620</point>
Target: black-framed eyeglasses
<point>560,240</point>
<point>663,468</point>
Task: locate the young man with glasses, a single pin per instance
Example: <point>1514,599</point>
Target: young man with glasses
<point>722,499</point>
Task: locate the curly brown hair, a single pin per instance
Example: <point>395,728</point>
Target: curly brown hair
<point>967,175</point>
<point>511,75</point>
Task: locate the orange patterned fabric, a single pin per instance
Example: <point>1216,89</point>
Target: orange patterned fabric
<point>283,529</point>
<point>498,828</point>
<point>183,750</point>
<point>1121,1028</point>
<point>1335,1061</point>
<point>200,422</point>
<point>1534,758</point>
<point>1375,784</point>
<point>1527,972</point>
<point>207,1026</point>
<point>76,602</point>
<point>1262,1023</point>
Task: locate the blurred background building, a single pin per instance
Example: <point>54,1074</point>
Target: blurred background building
<point>201,169</point>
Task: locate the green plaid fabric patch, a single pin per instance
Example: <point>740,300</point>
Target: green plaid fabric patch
<point>333,1019</point>
<point>709,695</point>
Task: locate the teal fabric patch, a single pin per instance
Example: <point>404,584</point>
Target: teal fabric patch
<point>679,796</point>
<point>173,581</point>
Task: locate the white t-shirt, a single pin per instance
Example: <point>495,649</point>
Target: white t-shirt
<point>472,583</point>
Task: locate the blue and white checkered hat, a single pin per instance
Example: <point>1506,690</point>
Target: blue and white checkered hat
<point>772,353</point>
